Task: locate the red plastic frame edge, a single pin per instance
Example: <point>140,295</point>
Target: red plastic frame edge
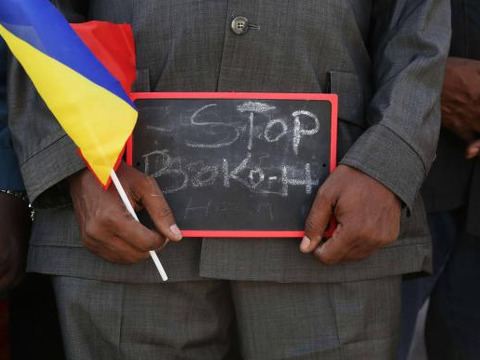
<point>332,98</point>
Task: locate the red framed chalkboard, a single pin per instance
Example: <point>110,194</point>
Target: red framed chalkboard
<point>236,164</point>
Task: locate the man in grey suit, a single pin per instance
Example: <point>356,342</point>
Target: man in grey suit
<point>333,299</point>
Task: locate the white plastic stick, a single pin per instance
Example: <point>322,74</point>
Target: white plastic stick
<point>130,209</point>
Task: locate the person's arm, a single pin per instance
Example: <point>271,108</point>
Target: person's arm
<point>388,164</point>
<point>55,175</point>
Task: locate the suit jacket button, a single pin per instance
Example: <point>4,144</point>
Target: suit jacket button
<point>239,25</point>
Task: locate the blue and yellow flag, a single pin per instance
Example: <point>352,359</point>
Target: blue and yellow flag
<point>88,102</point>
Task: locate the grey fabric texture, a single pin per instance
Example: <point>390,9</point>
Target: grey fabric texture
<point>384,59</point>
<point>195,320</point>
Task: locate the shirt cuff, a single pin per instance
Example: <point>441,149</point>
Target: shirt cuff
<point>386,157</point>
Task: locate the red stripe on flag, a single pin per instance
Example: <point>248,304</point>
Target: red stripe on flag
<point>114,47</point>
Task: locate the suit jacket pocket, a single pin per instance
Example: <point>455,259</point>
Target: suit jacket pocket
<point>351,102</point>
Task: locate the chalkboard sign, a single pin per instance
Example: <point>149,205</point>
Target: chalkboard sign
<point>236,164</point>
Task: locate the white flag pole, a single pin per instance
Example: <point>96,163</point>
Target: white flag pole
<point>126,201</point>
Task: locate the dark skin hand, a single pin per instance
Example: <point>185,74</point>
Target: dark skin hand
<point>461,102</point>
<point>367,214</point>
<point>14,234</point>
<point>107,228</point>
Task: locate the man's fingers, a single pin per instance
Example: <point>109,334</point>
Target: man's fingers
<point>473,149</point>
<point>316,223</point>
<point>160,213</point>
<point>335,249</point>
<point>117,221</point>
<point>138,236</point>
<point>125,252</point>
<point>118,251</point>
<point>121,239</point>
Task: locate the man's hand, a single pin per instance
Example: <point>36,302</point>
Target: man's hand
<point>461,102</point>
<point>14,233</point>
<point>367,214</point>
<point>107,228</point>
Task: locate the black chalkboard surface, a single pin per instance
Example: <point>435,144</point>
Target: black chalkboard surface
<point>236,164</point>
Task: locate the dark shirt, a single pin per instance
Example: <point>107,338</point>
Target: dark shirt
<point>9,171</point>
<point>454,182</point>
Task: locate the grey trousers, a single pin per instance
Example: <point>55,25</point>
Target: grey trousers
<point>196,320</point>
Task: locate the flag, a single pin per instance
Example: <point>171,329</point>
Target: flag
<point>86,99</point>
<point>113,45</point>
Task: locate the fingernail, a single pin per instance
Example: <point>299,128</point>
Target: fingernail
<point>305,244</point>
<point>175,230</point>
<point>319,250</point>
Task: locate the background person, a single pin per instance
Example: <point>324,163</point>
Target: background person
<point>452,198</point>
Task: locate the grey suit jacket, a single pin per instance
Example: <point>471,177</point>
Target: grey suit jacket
<point>384,58</point>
